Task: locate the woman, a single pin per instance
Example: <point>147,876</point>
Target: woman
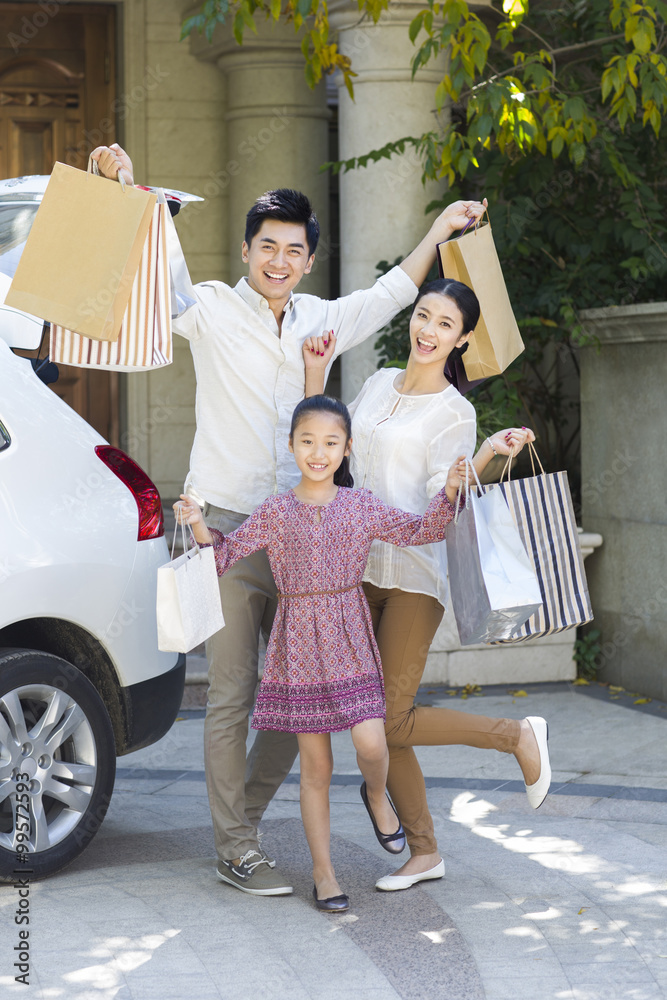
<point>408,427</point>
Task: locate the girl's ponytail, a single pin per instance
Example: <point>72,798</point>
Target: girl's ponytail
<point>342,475</point>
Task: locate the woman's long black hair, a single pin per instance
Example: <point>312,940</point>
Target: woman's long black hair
<point>327,404</point>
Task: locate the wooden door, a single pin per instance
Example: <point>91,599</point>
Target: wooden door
<point>57,94</point>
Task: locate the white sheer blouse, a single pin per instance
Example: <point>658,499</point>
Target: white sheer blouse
<point>402,449</point>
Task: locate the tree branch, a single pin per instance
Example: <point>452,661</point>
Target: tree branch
<point>583,45</point>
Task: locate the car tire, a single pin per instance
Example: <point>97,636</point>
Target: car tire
<point>57,763</point>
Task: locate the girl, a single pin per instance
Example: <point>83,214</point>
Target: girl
<point>323,671</point>
<point>408,427</point>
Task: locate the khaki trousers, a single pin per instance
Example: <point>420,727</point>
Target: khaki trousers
<point>404,626</point>
<point>239,790</point>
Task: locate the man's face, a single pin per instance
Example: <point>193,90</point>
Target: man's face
<point>277,258</point>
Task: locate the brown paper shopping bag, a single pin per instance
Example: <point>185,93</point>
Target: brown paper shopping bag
<point>496,342</point>
<point>82,254</point>
<point>144,342</point>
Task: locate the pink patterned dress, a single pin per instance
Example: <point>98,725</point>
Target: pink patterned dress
<point>323,672</point>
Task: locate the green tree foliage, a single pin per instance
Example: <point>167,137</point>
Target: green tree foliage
<point>309,17</point>
<point>518,90</point>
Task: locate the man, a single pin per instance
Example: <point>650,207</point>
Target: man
<point>246,344</point>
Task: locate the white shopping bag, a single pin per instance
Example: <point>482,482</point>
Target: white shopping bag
<point>188,599</point>
<point>493,584</point>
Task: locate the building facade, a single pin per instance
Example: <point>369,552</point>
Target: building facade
<point>227,123</point>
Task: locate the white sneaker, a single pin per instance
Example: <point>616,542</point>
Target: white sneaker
<point>390,883</point>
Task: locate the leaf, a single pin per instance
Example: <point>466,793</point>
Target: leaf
<point>557,146</point>
<point>641,39</point>
<point>483,127</point>
<point>239,25</point>
<point>441,94</point>
<point>416,26</point>
<point>581,682</point>
<point>642,701</point>
<point>479,57</point>
<point>574,108</point>
<point>614,688</point>
<point>519,694</point>
<point>582,910</point>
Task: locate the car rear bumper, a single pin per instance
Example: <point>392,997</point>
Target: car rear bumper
<point>151,707</point>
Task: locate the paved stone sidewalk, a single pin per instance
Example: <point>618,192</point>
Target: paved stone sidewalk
<point>567,903</point>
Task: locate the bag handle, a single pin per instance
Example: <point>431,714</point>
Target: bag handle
<point>94,169</point>
<point>534,457</point>
<point>477,223</point>
<point>195,550</point>
<point>441,273</point>
<point>469,466</point>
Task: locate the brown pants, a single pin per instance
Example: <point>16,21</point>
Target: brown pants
<point>404,626</point>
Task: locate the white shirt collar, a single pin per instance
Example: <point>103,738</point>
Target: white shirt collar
<point>256,300</point>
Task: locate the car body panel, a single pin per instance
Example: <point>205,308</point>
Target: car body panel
<point>68,530</point>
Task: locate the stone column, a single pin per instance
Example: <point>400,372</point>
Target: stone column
<point>623,421</point>
<point>381,206</point>
<point>277,131</point>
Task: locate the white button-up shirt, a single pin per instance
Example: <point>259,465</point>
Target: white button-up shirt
<point>250,376</point>
<point>402,449</point>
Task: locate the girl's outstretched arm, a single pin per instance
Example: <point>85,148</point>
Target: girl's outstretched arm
<point>390,524</point>
<point>255,533</point>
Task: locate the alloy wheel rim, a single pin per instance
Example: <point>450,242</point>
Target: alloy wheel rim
<point>46,744</point>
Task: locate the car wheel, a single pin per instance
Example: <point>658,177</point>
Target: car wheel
<point>57,763</point>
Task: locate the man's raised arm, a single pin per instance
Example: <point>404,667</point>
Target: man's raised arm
<point>113,160</point>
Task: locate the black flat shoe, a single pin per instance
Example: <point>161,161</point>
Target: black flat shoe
<point>334,904</point>
<point>392,842</point>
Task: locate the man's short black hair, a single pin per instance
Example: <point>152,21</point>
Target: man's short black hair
<point>285,205</point>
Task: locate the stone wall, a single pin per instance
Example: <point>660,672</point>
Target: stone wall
<point>173,131</point>
<point>624,419</point>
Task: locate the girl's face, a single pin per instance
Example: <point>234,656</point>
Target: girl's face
<point>436,328</point>
<point>319,445</point>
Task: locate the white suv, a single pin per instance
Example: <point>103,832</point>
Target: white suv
<point>81,677</point>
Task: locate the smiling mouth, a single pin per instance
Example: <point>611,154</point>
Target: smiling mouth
<point>425,345</point>
<point>272,276</point>
<point>316,468</point>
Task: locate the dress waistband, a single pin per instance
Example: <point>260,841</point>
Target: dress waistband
<point>320,593</point>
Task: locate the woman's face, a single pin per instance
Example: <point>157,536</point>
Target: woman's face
<point>436,328</point>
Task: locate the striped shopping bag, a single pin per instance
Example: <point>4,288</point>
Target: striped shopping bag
<point>144,341</point>
<point>542,510</point>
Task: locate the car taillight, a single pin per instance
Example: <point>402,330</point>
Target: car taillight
<point>144,491</point>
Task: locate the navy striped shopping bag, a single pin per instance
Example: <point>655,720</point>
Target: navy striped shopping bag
<point>542,510</point>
